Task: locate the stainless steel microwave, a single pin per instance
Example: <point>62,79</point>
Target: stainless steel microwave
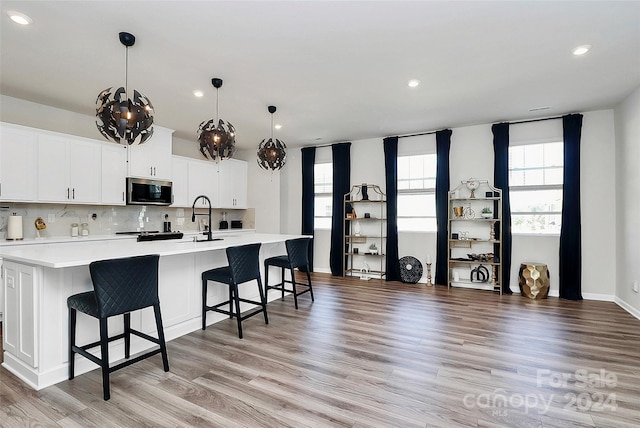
<point>142,191</point>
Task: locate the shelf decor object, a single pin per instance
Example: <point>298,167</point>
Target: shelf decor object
<point>272,153</point>
<point>474,228</point>
<point>364,239</point>
<point>217,138</point>
<point>119,118</point>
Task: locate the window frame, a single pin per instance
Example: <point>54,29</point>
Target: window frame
<point>429,191</point>
<point>534,188</point>
<point>322,195</point>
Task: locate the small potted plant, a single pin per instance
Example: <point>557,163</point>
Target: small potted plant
<point>487,212</point>
<point>373,249</point>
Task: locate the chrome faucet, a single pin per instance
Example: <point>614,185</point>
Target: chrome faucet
<point>194,214</point>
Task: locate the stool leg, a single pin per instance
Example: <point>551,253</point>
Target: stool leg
<point>127,335</point>
<point>263,300</point>
<point>231,302</point>
<point>104,349</point>
<point>72,342</point>
<point>309,282</point>
<point>163,345</point>
<point>282,284</point>
<point>266,281</point>
<point>204,304</point>
<point>293,286</point>
<point>238,313</point>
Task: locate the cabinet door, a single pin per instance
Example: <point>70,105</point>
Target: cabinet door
<point>20,336</point>
<point>18,164</point>
<point>53,177</point>
<point>114,173</point>
<point>203,180</point>
<point>153,158</point>
<point>180,179</point>
<point>85,165</point>
<point>233,184</point>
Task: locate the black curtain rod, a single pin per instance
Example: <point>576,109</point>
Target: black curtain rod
<point>534,120</point>
<point>417,135</point>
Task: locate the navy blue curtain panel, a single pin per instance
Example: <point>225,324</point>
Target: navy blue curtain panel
<point>391,172</point>
<point>341,155</point>
<point>443,184</point>
<point>570,262</point>
<point>308,196</point>
<point>501,181</point>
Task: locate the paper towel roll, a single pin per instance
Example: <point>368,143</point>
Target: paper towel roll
<point>14,227</point>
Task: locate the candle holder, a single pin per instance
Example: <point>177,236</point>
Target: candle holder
<point>429,283</point>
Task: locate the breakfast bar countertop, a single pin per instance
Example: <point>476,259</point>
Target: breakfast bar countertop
<point>62,255</point>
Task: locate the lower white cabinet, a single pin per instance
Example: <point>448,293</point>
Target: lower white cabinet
<point>20,314</point>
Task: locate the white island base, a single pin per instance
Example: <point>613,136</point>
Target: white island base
<point>38,282</point>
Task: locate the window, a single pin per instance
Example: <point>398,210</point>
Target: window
<point>323,190</point>
<point>535,187</point>
<point>417,193</point>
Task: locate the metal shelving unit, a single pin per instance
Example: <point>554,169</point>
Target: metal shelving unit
<point>474,233</point>
<point>361,231</point>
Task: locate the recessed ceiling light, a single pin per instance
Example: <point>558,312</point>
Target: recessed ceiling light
<point>19,18</point>
<point>278,126</point>
<point>581,50</point>
<point>413,83</point>
<point>198,93</point>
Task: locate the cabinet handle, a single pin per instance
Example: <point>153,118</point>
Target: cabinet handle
<point>73,192</point>
<point>122,196</point>
<point>67,193</point>
<point>151,170</point>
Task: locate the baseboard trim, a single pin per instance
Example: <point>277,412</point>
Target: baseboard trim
<point>627,307</point>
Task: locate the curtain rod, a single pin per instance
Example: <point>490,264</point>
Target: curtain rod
<point>417,135</point>
<point>534,120</point>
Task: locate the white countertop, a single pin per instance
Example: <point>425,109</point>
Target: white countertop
<point>83,252</point>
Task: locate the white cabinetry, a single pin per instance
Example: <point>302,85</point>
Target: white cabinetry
<point>203,180</point>
<point>233,184</point>
<point>114,172</point>
<point>153,158</point>
<point>69,169</point>
<point>180,179</point>
<point>18,163</point>
<point>20,314</point>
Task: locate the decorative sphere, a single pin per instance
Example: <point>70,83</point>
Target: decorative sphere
<point>124,120</point>
<point>272,154</point>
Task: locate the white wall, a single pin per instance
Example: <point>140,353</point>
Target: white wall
<point>472,156</point>
<point>628,202</point>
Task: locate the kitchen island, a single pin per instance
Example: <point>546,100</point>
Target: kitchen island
<point>38,279</point>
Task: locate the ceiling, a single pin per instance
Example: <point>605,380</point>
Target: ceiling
<point>337,71</point>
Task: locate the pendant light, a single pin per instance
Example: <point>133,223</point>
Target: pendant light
<point>119,118</point>
<point>272,153</point>
<point>217,138</point>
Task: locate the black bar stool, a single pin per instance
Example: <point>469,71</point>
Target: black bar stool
<point>244,266</point>
<point>120,287</point>
<point>297,257</point>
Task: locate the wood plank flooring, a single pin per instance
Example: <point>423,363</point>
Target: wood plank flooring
<point>371,354</point>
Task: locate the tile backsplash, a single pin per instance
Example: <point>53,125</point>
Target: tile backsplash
<point>107,220</point>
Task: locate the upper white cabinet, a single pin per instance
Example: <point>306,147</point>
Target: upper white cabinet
<point>180,179</point>
<point>18,163</point>
<point>69,169</point>
<point>232,184</point>
<point>203,180</point>
<point>153,158</point>
<point>114,171</point>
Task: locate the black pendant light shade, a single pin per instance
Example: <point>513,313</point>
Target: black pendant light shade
<point>119,118</point>
<point>217,138</point>
<point>272,153</point>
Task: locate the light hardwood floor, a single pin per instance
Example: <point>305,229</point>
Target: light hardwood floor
<point>371,354</point>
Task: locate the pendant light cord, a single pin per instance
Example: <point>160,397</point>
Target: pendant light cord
<point>126,72</point>
<point>271,126</point>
